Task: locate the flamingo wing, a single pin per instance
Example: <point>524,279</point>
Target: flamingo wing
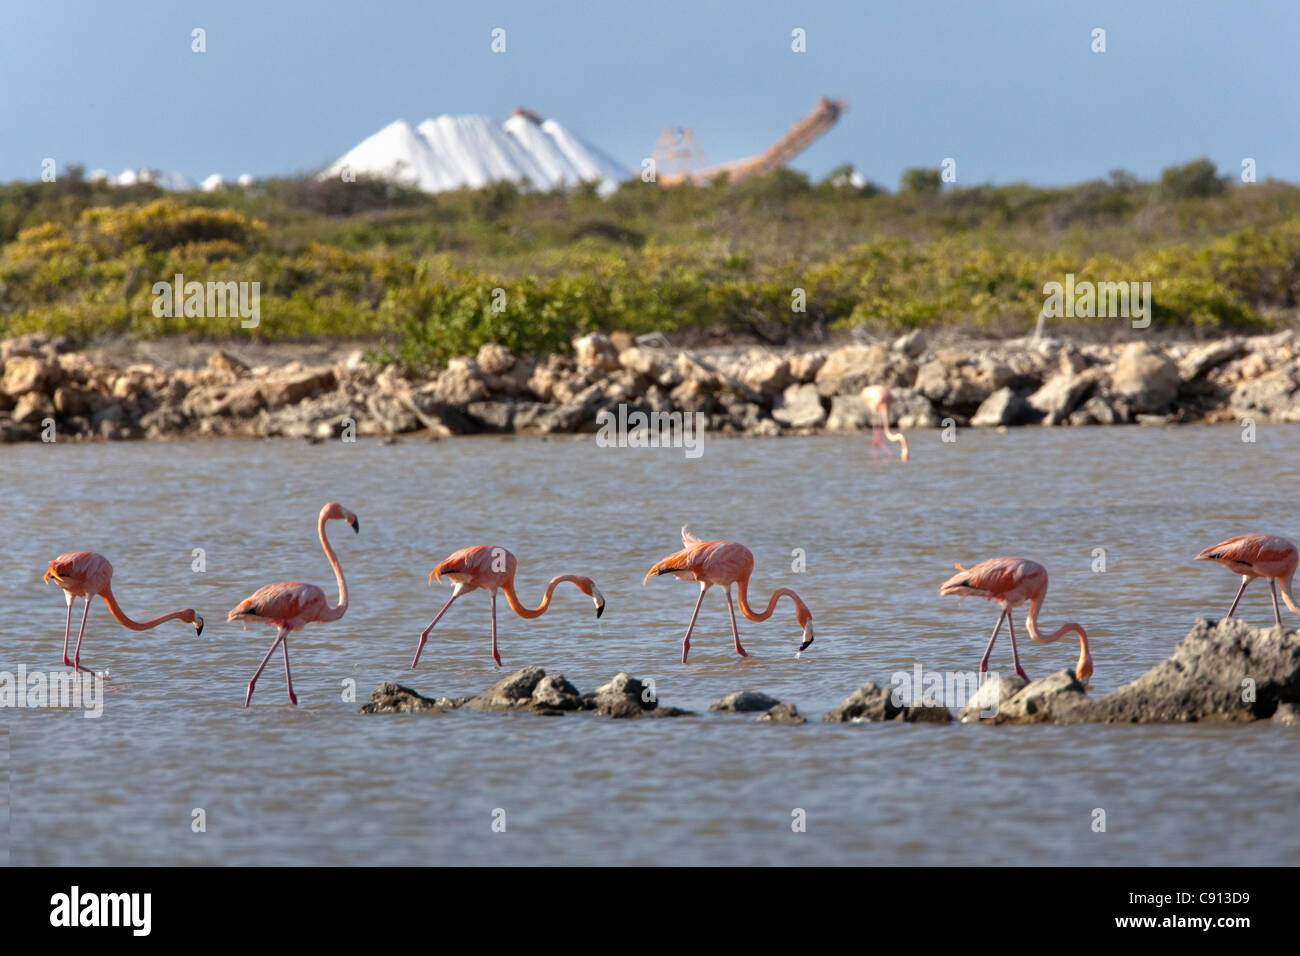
<point>80,569</point>
<point>1248,549</point>
<point>280,603</point>
<point>992,578</point>
<point>476,561</point>
<point>703,559</point>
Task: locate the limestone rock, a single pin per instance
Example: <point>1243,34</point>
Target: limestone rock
<point>799,406</point>
<point>743,701</point>
<point>1145,378</point>
<point>1003,407</point>
<point>781,714</point>
<point>495,359</point>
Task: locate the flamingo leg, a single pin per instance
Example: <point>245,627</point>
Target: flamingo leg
<point>882,426</point>
<point>288,681</point>
<point>735,634</point>
<point>984,661</point>
<point>424,635</point>
<point>495,656</point>
<point>1015,655</point>
<point>1245,579</point>
<point>76,656</point>
<point>279,636</point>
<point>67,630</point>
<point>1277,612</point>
<point>686,641</point>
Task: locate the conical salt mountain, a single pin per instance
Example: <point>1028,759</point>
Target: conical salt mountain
<point>451,152</point>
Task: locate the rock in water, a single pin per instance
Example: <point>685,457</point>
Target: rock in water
<point>1287,714</point>
<point>926,714</point>
<point>393,698</point>
<point>872,703</point>
<point>1011,701</point>
<point>556,693</point>
<point>987,702</point>
<point>780,714</point>
<point>744,701</point>
<point>624,696</point>
<point>868,702</point>
<point>1225,670</point>
<point>530,688</point>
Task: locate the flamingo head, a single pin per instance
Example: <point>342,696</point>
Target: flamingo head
<point>804,617</point>
<point>1083,670</point>
<point>959,584</point>
<point>190,617</point>
<point>588,587</point>
<point>336,512</point>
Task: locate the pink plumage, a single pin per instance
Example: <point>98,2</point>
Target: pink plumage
<point>1258,556</point>
<point>725,563</point>
<point>289,605</point>
<point>1011,582</point>
<point>87,575</point>
<point>492,568</point>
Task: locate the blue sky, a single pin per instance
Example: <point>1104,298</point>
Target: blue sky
<point>1010,90</point>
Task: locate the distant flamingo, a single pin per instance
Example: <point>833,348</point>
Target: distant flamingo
<point>85,574</point>
<point>492,568</point>
<point>290,604</point>
<point>1011,582</point>
<point>879,401</point>
<point>725,563</point>
<point>1258,556</point>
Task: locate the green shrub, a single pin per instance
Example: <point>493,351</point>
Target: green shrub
<point>1194,180</point>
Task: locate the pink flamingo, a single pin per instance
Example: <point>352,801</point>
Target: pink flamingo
<point>1258,556</point>
<point>725,563</point>
<point>879,401</point>
<point>86,574</point>
<point>493,568</point>
<point>291,604</point>
<point>1011,582</point>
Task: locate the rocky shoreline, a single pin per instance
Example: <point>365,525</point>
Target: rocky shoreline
<point>1223,670</point>
<point>48,391</point>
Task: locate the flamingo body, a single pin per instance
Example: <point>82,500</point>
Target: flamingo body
<point>1254,556</point>
<point>723,564</point>
<point>1011,582</point>
<point>492,568</point>
<point>289,605</point>
<point>87,575</point>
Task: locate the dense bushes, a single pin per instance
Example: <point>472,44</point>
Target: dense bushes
<point>771,258</point>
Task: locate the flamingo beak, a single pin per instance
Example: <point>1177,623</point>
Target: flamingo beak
<point>807,637</point>
<point>600,602</point>
<point>198,625</point>
<point>356,523</point>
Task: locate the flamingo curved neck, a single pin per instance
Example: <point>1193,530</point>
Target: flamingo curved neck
<point>1031,624</point>
<point>335,612</point>
<point>525,612</point>
<point>120,615</point>
<point>742,598</point>
<point>1285,588</point>
<point>895,436</point>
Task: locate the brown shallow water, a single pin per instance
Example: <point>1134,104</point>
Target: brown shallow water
<point>321,784</point>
